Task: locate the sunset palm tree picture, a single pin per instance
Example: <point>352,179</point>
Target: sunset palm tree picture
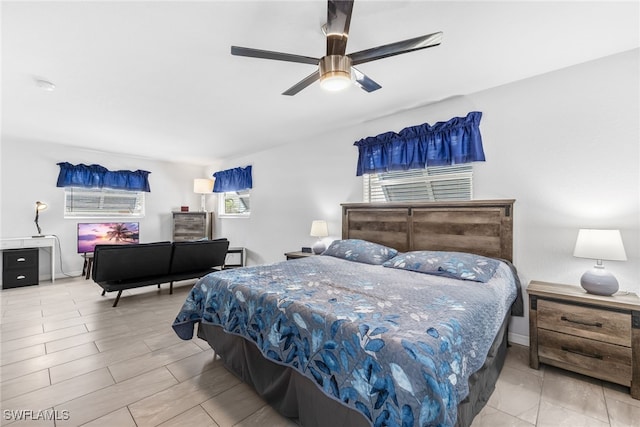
<point>121,233</point>
<point>106,233</point>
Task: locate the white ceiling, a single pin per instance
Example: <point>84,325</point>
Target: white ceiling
<point>156,78</point>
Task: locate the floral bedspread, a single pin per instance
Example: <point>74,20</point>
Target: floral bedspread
<point>396,345</point>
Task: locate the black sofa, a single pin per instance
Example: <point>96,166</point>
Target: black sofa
<point>120,267</point>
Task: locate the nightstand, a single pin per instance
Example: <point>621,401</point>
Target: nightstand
<point>19,268</point>
<point>297,254</point>
<point>593,335</point>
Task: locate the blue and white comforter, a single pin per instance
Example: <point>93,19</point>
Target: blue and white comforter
<point>396,345</point>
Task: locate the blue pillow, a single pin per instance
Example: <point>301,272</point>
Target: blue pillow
<point>457,265</point>
<point>360,251</point>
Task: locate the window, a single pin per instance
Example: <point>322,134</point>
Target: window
<point>234,204</point>
<point>82,202</point>
<point>431,184</point>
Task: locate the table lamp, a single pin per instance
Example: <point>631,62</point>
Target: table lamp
<point>203,186</point>
<point>319,229</point>
<point>599,245</point>
<point>40,206</point>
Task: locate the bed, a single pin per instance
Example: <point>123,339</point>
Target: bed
<point>402,322</point>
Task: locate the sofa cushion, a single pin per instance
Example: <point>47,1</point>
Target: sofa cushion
<point>116,263</point>
<point>199,256</point>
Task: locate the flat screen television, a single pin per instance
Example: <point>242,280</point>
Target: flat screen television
<point>106,233</point>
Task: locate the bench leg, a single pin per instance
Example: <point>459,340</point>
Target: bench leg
<point>117,299</point>
<point>158,285</point>
<point>171,288</point>
<point>104,292</point>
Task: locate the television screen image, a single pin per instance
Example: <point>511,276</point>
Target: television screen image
<point>106,233</point>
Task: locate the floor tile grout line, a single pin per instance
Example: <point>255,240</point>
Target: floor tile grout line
<point>163,309</point>
<point>48,354</point>
<point>114,384</point>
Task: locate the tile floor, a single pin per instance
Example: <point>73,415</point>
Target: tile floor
<point>65,351</point>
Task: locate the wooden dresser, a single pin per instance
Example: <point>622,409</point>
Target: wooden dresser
<point>189,226</point>
<point>593,335</point>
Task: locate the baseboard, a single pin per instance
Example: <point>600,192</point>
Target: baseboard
<point>518,339</point>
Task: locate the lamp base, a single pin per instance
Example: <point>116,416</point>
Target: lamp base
<point>599,281</point>
<point>203,203</point>
<point>319,247</point>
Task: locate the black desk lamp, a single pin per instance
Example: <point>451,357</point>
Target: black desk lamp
<point>40,206</point>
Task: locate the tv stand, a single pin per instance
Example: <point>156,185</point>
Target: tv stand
<point>88,264</point>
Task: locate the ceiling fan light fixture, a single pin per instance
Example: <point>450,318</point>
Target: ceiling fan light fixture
<point>335,72</point>
<point>335,81</point>
<point>335,69</point>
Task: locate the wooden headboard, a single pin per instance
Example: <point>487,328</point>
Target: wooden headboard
<point>483,227</point>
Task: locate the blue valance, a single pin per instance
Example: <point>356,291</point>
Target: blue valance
<point>96,176</point>
<point>236,179</point>
<point>445,143</point>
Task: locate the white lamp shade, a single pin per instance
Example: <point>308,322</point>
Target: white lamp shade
<point>600,245</point>
<point>202,186</point>
<point>319,229</point>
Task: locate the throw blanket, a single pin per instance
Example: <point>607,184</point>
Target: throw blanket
<point>396,345</point>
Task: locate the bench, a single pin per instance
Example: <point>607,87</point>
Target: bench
<point>121,267</point>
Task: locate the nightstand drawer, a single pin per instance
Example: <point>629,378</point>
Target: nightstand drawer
<point>605,361</point>
<point>589,322</point>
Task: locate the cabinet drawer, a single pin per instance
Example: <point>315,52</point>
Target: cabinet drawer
<point>186,219</point>
<point>16,278</point>
<point>594,358</point>
<point>20,259</point>
<point>190,221</point>
<point>589,322</point>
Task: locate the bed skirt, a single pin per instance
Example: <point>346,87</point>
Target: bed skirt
<point>297,397</point>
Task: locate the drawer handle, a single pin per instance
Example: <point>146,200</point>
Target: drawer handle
<point>21,277</point>
<point>21,259</point>
<point>593,356</point>
<point>596,324</point>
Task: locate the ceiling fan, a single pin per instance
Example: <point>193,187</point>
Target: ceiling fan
<point>336,67</point>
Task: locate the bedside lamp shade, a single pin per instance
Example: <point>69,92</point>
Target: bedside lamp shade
<point>599,245</point>
<point>319,229</point>
<point>203,186</point>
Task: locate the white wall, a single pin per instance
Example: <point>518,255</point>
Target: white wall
<point>29,173</point>
<point>565,145</point>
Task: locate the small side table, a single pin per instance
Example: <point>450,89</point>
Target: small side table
<point>297,254</point>
<point>236,257</point>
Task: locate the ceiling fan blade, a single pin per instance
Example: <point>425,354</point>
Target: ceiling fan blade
<point>397,48</point>
<point>302,84</point>
<point>267,54</point>
<point>364,82</point>
<point>337,28</point>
